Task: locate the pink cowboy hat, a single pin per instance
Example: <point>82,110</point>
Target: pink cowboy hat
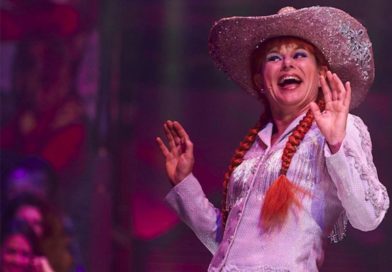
<point>343,41</point>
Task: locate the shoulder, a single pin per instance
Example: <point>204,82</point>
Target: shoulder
<point>356,126</point>
<point>354,120</point>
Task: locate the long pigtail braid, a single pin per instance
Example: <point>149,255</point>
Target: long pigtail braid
<point>282,193</point>
<point>237,159</point>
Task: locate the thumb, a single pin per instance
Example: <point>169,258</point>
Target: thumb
<point>188,148</point>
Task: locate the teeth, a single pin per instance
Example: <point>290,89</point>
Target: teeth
<point>283,79</point>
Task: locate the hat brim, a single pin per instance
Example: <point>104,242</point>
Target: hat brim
<point>342,40</point>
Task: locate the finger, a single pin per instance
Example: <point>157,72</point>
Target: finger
<point>326,89</point>
<point>173,130</point>
<point>185,139</point>
<point>181,131</point>
<point>338,85</point>
<point>46,266</point>
<point>188,148</point>
<point>165,152</point>
<point>169,135</point>
<point>334,94</point>
<point>347,98</point>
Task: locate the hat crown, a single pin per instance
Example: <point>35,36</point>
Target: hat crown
<point>286,10</point>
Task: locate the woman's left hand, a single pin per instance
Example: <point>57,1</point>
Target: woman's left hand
<point>332,121</point>
<point>41,264</point>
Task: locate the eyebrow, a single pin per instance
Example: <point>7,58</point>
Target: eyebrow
<point>291,45</point>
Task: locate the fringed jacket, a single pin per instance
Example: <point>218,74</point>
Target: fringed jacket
<point>343,187</point>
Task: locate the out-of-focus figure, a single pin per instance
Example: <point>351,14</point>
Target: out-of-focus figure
<point>49,118</point>
<point>31,175</point>
<point>47,226</point>
<point>19,246</point>
<point>28,193</point>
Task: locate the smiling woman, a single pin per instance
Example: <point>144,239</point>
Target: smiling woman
<point>305,169</point>
<point>19,245</point>
<point>43,220</point>
<point>288,74</point>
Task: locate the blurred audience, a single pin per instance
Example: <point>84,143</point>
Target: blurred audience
<point>31,175</point>
<point>44,118</point>
<point>20,249</point>
<point>47,226</point>
<point>49,119</point>
<point>28,192</point>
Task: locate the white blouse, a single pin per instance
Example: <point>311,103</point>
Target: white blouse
<point>343,186</point>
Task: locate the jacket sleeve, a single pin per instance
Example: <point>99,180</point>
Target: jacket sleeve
<point>363,197</point>
<point>190,203</point>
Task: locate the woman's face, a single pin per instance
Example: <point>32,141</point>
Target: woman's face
<point>33,217</point>
<point>16,254</point>
<point>290,77</point>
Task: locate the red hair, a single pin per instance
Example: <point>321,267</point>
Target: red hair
<point>283,194</point>
<point>238,157</point>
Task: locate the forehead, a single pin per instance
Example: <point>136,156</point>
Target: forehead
<point>288,44</point>
<point>29,211</point>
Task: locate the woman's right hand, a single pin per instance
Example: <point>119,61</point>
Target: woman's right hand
<point>179,152</point>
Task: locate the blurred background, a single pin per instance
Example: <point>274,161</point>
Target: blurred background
<point>85,87</point>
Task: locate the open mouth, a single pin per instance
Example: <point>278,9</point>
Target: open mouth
<point>289,80</point>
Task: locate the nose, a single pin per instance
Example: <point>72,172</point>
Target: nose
<point>287,62</point>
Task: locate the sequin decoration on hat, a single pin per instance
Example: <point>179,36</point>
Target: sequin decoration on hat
<point>342,40</point>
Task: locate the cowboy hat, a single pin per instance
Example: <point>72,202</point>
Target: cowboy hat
<point>342,40</point>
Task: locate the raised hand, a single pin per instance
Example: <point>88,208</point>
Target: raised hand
<point>333,120</point>
<point>179,152</point>
<point>41,264</point>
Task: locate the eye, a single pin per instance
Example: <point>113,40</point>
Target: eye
<point>10,251</point>
<point>300,54</point>
<point>272,57</point>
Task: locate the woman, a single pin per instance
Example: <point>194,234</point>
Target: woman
<point>306,167</point>
<point>19,249</point>
<point>47,227</point>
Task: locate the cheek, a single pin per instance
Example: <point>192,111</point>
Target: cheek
<point>316,80</point>
<point>313,74</point>
<point>6,257</point>
<point>267,78</point>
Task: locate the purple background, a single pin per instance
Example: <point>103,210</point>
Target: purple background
<point>151,64</point>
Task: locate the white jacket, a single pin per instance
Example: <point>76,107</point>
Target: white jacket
<point>343,186</point>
